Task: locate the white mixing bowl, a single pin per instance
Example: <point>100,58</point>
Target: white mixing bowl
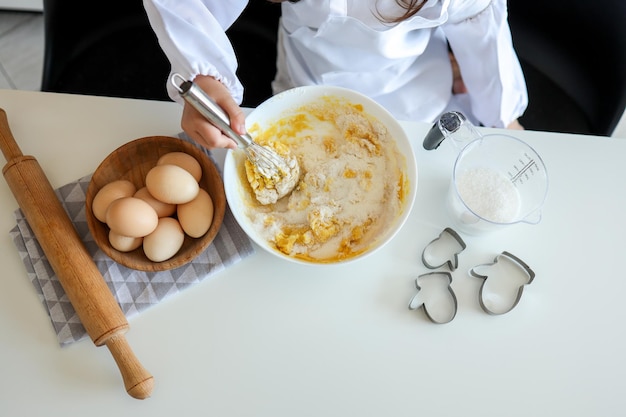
<point>269,112</point>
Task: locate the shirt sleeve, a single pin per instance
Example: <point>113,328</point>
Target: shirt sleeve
<point>489,66</point>
<point>192,36</point>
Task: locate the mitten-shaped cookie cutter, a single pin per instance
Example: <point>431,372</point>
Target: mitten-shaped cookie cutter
<point>439,305</point>
<point>518,275</point>
<point>448,241</point>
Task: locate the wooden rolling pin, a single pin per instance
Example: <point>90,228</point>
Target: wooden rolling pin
<point>85,287</point>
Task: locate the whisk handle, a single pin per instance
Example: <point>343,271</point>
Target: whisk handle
<point>201,101</point>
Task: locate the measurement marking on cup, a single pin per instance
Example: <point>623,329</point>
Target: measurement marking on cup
<point>525,171</point>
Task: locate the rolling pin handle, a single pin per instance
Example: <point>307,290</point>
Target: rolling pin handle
<point>137,381</point>
<point>8,145</point>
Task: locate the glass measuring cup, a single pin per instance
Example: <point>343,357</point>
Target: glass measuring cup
<point>497,179</point>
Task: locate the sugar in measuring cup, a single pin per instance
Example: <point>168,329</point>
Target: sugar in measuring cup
<point>497,179</point>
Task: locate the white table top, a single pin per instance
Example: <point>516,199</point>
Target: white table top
<point>271,338</point>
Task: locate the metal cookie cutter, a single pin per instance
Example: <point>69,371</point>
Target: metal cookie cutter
<point>447,246</point>
<point>439,303</point>
<point>503,283</point>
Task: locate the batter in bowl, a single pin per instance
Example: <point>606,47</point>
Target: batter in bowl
<point>351,186</point>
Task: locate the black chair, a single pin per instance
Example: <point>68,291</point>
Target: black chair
<point>109,49</point>
<point>573,54</point>
<point>254,38</point>
<point>102,48</point>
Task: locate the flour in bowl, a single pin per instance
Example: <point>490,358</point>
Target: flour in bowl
<point>351,187</point>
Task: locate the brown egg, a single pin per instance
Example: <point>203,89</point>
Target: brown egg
<point>124,243</point>
<point>183,160</point>
<point>162,209</point>
<point>164,241</point>
<point>171,184</point>
<point>132,217</point>
<point>196,216</point>
<point>110,192</point>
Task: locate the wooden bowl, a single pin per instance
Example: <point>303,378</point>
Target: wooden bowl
<point>132,162</point>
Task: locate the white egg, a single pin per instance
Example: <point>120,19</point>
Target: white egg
<point>107,194</point>
<point>183,160</point>
<point>165,241</point>
<point>171,184</point>
<point>130,216</point>
<point>196,216</point>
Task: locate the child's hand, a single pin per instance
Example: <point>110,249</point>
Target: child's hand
<point>200,129</point>
<point>515,125</point>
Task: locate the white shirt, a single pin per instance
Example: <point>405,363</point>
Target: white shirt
<point>405,66</point>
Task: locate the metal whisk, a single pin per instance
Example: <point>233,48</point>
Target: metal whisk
<point>268,162</point>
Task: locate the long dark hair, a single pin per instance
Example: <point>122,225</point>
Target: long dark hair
<point>411,7</point>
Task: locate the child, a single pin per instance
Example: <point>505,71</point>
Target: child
<point>394,51</point>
